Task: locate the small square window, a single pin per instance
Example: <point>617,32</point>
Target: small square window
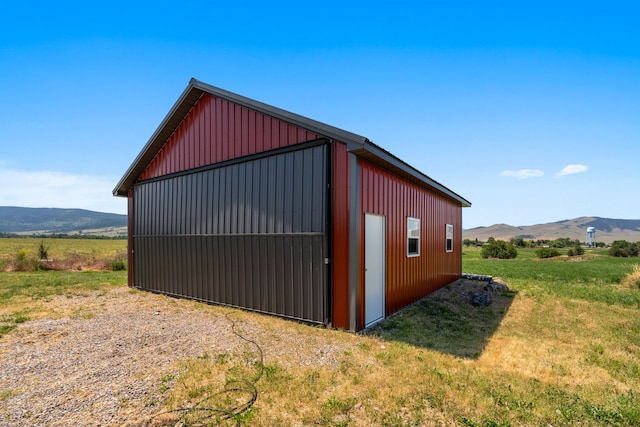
<point>449,237</point>
<point>413,237</point>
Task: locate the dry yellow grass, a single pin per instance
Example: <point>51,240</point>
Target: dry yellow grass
<point>62,254</point>
<point>542,358</point>
<point>632,280</point>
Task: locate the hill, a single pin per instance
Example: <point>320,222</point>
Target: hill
<point>54,220</point>
<point>607,230</point>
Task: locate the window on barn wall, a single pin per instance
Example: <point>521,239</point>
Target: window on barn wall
<point>449,236</point>
<point>413,237</point>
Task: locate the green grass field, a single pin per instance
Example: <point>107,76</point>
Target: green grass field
<point>591,277</point>
<point>75,252</point>
<point>562,349</point>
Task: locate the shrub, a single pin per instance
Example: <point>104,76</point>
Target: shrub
<point>622,248</point>
<point>21,260</point>
<point>518,242</point>
<point>547,252</point>
<point>21,255</point>
<point>564,242</point>
<point>118,265</point>
<point>576,251</point>
<point>498,249</point>
<point>43,250</point>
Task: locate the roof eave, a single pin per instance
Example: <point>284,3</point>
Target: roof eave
<point>395,163</point>
<point>172,120</point>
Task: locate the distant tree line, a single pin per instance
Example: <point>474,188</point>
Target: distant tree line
<point>520,242</point>
<point>547,248</point>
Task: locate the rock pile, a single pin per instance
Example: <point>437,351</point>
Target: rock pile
<point>483,298</point>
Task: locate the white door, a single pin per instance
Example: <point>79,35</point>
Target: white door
<point>374,260</point>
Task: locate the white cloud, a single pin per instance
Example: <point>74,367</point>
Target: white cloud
<point>523,173</point>
<point>571,169</point>
<point>59,190</point>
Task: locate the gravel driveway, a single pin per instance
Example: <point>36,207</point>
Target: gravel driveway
<point>103,364</point>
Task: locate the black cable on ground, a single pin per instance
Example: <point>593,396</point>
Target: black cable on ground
<point>201,414</point>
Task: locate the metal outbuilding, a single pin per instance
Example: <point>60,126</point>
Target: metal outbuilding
<point>236,202</point>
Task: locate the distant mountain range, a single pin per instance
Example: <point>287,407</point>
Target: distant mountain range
<point>607,230</point>
<point>54,220</point>
<point>74,221</point>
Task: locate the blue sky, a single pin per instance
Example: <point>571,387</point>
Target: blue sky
<point>530,110</point>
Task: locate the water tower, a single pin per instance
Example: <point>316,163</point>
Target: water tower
<point>591,236</point>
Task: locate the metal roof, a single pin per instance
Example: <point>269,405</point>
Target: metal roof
<point>356,144</point>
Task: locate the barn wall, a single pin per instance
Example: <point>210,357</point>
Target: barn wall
<point>410,278</point>
<point>216,130</point>
<point>248,234</point>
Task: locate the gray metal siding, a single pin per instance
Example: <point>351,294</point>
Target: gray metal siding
<point>280,194</point>
<point>249,234</point>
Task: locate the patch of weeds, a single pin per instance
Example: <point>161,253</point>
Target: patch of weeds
<point>335,411</point>
<point>6,394</point>
<point>491,422</point>
<point>508,399</point>
<point>270,371</point>
<point>391,418</point>
<point>195,392</point>
<point>81,314</point>
<point>10,322</point>
<point>244,418</point>
<point>603,415</point>
<point>150,402</point>
<point>628,406</point>
<point>21,319</point>
<point>617,368</point>
<point>313,377</point>
<point>346,366</point>
<point>165,382</point>
<point>364,346</point>
<point>222,358</point>
<point>485,422</point>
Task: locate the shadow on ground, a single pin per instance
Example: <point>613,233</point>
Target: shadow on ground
<point>448,321</point>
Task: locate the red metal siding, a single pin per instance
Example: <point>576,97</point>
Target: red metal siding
<point>340,220</point>
<point>216,130</point>
<point>409,279</point>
